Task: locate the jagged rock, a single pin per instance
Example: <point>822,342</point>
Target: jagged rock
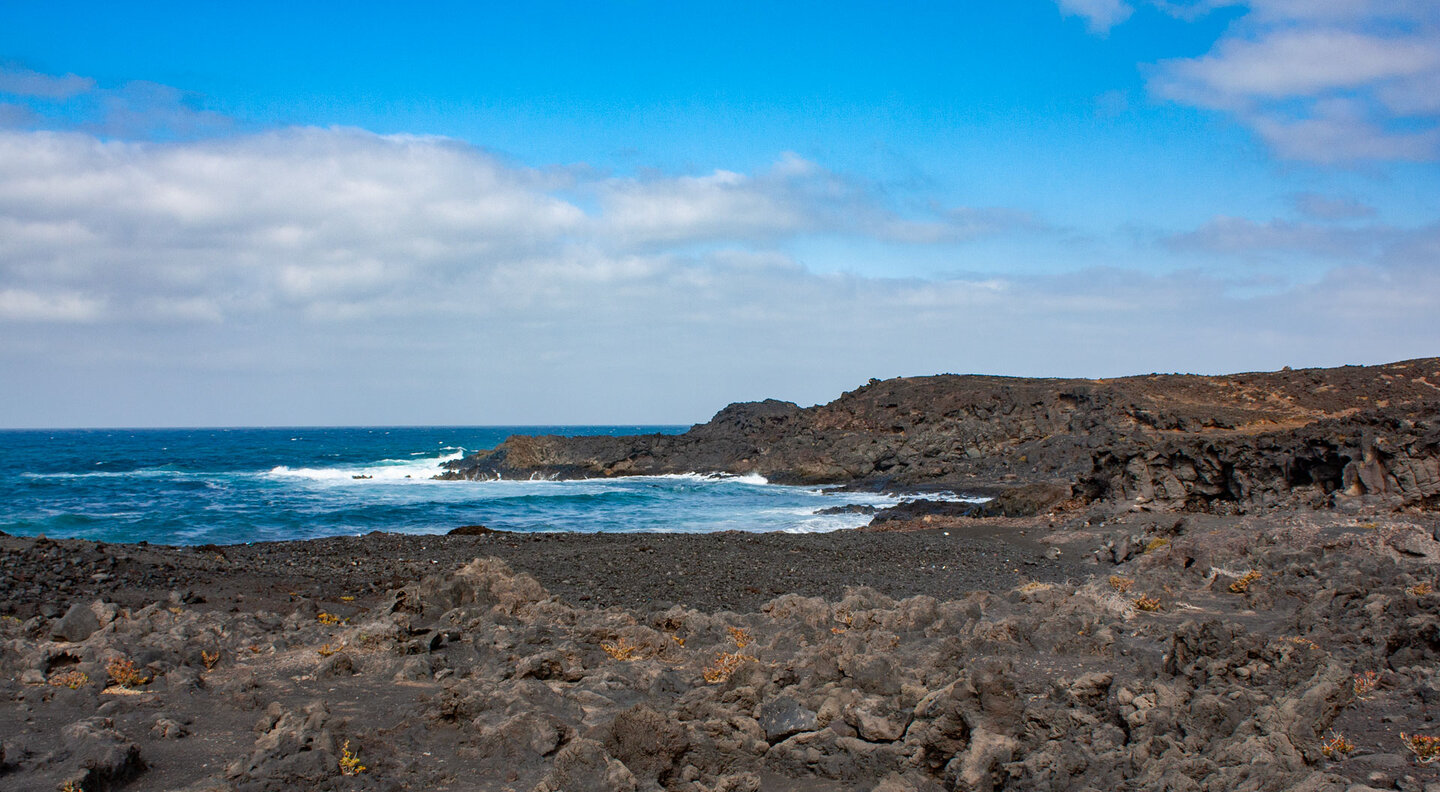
<point>647,743</point>
<point>584,764</point>
<point>296,747</point>
<point>106,759</point>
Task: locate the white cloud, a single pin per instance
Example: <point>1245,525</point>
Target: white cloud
<point>1325,207</point>
<point>1290,63</point>
<point>1329,81</point>
<point>21,305</point>
<point>1099,15</point>
<point>25,82</point>
<point>1239,236</point>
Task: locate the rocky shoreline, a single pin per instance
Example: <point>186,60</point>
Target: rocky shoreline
<point>1356,437</point>
<point>1182,583</point>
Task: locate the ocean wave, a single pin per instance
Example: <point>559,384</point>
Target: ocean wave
<point>382,470</point>
<point>156,473</point>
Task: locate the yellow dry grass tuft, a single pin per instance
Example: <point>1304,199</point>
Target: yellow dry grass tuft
<point>1121,584</point>
<point>1156,543</point>
<point>350,761</point>
<point>329,618</point>
<point>1420,589</point>
<point>70,679</point>
<point>1147,603</point>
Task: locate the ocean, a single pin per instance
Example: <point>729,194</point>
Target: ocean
<point>225,486</point>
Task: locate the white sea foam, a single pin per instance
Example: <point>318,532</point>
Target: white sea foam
<point>383,470</point>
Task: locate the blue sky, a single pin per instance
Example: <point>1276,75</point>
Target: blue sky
<point>550,212</point>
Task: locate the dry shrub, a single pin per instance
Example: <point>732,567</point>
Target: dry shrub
<point>209,659</point>
<point>1420,589</point>
<point>1366,683</point>
<point>125,674</point>
<point>1337,746</point>
<point>1121,584</point>
<point>1146,603</point>
<point>1426,749</point>
<point>726,663</point>
<point>741,637</point>
<point>1243,584</point>
<point>623,649</point>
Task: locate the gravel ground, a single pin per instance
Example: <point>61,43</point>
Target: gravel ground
<point>710,572</point>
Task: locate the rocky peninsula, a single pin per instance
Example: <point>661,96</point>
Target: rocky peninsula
<point>1183,583</point>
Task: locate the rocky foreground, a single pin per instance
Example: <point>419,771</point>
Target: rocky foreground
<point>1106,650</point>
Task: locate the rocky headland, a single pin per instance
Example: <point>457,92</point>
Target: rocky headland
<point>1183,583</point>
<point>1353,437</point>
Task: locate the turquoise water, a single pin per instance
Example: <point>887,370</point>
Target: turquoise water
<point>221,486</point>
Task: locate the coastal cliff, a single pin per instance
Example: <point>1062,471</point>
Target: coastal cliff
<point>1314,437</point>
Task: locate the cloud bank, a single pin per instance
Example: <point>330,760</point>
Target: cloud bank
<point>331,275</point>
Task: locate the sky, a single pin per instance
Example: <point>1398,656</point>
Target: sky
<point>242,214</point>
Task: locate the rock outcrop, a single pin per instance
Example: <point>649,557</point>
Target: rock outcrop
<point>1232,443</point>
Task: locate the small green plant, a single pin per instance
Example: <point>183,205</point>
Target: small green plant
<point>1243,584</point>
<point>70,679</point>
<point>125,673</point>
<point>1426,749</point>
<point>1147,603</point>
<point>1337,746</point>
<point>350,761</point>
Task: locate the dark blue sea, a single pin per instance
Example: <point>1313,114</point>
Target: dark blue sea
<point>222,486</point>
